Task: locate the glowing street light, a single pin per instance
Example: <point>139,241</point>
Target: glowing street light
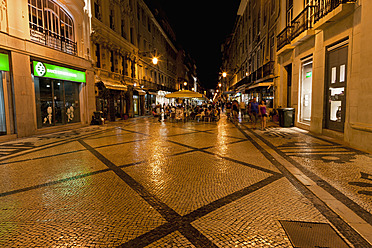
<point>155,60</point>
<point>219,85</point>
<point>185,83</point>
<point>224,74</point>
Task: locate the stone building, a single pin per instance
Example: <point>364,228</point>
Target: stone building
<point>126,36</point>
<point>324,61</point>
<point>46,77</point>
<point>317,55</point>
<point>249,53</point>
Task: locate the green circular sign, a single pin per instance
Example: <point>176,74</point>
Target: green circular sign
<point>40,69</point>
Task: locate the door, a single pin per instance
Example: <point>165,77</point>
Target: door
<point>135,104</point>
<point>59,111</point>
<point>336,77</point>
<point>306,84</point>
<point>288,69</point>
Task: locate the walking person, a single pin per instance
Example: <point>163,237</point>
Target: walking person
<point>263,114</point>
<point>254,111</point>
<point>242,109</point>
<point>235,110</point>
<point>228,110</point>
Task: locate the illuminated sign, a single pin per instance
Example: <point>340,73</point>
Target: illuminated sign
<point>4,62</point>
<point>309,74</point>
<point>58,72</point>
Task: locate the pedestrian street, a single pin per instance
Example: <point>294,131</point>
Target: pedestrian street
<point>145,183</point>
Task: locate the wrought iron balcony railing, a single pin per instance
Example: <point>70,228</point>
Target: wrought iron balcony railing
<point>268,69</point>
<point>51,39</point>
<point>303,21</point>
<point>325,6</point>
<point>284,37</point>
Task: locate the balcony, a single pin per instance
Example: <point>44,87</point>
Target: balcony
<point>326,6</point>
<point>268,69</point>
<point>304,21</point>
<point>284,38</point>
<point>51,39</point>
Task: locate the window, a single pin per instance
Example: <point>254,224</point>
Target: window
<point>97,9</point>
<point>124,65</point>
<point>57,102</point>
<point>112,60</point>
<point>112,19</point>
<point>51,25</point>
<point>289,12</point>
<point>123,33</point>
<point>98,56</point>
<point>132,36</point>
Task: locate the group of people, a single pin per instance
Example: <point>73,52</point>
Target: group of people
<point>211,111</point>
<point>254,111</point>
<point>186,112</point>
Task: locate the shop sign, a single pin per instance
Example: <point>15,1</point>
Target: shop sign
<point>58,72</point>
<point>4,62</point>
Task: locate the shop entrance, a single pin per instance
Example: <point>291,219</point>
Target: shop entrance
<point>57,102</point>
<point>336,81</point>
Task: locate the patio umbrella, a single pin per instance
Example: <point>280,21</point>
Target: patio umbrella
<point>186,94</point>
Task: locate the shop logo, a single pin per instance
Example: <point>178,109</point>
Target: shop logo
<point>40,69</point>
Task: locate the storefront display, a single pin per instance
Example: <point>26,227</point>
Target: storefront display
<point>57,94</point>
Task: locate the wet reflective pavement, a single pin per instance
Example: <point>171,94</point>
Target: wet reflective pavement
<point>144,183</point>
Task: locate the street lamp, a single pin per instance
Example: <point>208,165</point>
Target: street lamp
<point>155,60</point>
<point>224,74</point>
<point>219,85</point>
<point>185,84</point>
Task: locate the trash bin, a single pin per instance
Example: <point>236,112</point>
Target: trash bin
<point>286,117</point>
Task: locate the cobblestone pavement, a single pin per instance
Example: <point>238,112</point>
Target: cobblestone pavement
<point>144,183</point>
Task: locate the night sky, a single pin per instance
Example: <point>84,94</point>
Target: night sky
<point>201,29</point>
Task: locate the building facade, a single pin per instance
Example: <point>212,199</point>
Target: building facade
<point>323,56</point>
<point>46,77</point>
<point>249,53</point>
<point>320,57</point>
<point>126,36</point>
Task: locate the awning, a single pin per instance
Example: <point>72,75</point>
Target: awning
<point>114,85</point>
<point>263,84</point>
<point>141,92</point>
<point>185,94</point>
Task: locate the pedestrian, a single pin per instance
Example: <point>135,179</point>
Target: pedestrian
<point>235,110</point>
<point>263,114</point>
<point>228,109</point>
<point>249,110</point>
<point>242,109</point>
<point>254,111</point>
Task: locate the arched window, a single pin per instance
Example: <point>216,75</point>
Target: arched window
<point>51,25</point>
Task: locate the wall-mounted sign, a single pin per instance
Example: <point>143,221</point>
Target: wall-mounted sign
<point>309,74</point>
<point>58,72</point>
<point>4,62</point>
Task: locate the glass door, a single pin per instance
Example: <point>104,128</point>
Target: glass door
<point>336,88</point>
<point>58,102</point>
<point>306,90</point>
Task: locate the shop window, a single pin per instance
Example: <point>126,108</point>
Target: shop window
<point>57,102</point>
